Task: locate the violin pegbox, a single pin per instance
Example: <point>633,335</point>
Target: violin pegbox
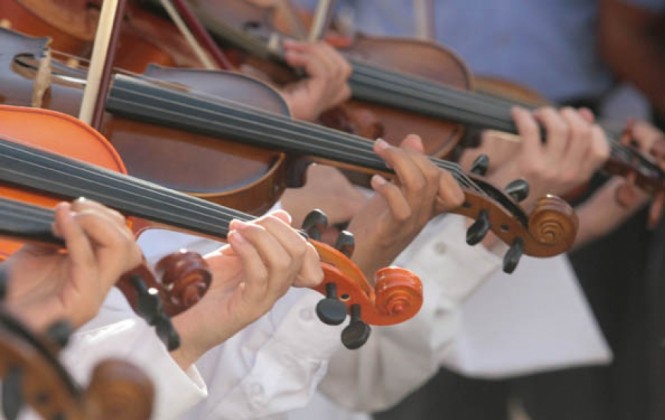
<point>395,297</point>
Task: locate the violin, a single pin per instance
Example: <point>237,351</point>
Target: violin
<point>32,375</point>
<point>388,84</point>
<point>187,126</point>
<point>185,276</point>
<point>144,38</point>
<point>32,159</point>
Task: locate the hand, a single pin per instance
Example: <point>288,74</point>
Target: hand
<point>326,189</point>
<point>650,142</point>
<point>262,260</point>
<point>399,210</point>
<point>573,150</point>
<point>46,284</point>
<point>326,85</point>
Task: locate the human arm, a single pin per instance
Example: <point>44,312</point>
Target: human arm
<point>264,258</point>
<point>632,41</point>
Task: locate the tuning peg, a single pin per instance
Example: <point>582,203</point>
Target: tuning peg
<point>478,229</point>
<point>480,165</point>
<point>166,332</point>
<point>315,223</point>
<point>518,189</point>
<point>59,332</point>
<point>149,306</point>
<point>12,393</point>
<point>513,256</point>
<point>3,282</point>
<point>331,310</point>
<point>357,332</point>
<point>345,243</point>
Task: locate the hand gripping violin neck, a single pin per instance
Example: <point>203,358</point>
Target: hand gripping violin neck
<point>26,165</point>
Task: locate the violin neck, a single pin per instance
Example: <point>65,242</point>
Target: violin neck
<point>139,99</point>
<point>59,176</point>
<point>26,222</point>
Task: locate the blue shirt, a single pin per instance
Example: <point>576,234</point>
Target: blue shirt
<point>546,45</point>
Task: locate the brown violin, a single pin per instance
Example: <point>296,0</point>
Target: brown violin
<point>32,376</point>
<point>406,83</point>
<point>32,158</point>
<point>156,125</point>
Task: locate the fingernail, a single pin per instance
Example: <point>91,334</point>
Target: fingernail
<point>381,144</point>
<point>236,237</point>
<point>238,225</point>
<point>378,180</point>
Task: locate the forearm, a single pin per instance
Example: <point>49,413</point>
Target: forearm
<point>601,214</point>
<point>632,41</point>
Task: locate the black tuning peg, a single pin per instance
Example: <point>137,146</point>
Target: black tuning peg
<point>513,256</point>
<point>357,332</point>
<point>518,189</point>
<point>315,223</point>
<point>166,332</point>
<point>478,229</point>
<point>12,393</point>
<point>480,165</point>
<point>331,310</point>
<point>149,306</point>
<point>59,332</point>
<point>345,243</point>
<point>4,277</point>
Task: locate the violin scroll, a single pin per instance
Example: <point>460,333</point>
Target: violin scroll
<point>186,277</point>
<point>118,390</point>
<point>553,222</point>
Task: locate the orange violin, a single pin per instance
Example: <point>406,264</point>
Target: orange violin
<point>78,161</point>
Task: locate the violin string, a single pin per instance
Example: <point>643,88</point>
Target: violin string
<point>49,172</point>
<point>438,99</point>
<point>317,139</point>
<point>474,101</point>
<point>26,222</point>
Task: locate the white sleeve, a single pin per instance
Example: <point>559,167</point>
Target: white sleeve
<point>272,366</point>
<point>117,332</point>
<point>398,359</point>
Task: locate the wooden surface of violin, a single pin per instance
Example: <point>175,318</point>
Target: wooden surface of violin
<point>32,376</point>
<point>37,163</point>
<point>145,38</point>
<point>242,25</point>
<point>192,112</point>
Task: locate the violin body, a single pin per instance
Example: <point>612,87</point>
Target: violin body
<point>234,22</point>
<point>145,37</point>
<point>243,177</point>
<point>32,375</point>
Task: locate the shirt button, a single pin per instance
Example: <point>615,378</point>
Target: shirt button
<point>306,314</point>
<point>440,248</point>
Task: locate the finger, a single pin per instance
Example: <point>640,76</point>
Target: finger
<point>413,142</point>
<point>254,270</point>
<point>300,250</point>
<point>281,267</point>
<point>587,114</point>
<point>656,210</point>
<point>409,173</point>
<point>450,194</point>
<point>557,131</point>
<point>529,131</point>
<point>397,204</point>
<point>311,273</point>
<point>580,139</point>
<point>83,203</point>
<point>78,245</point>
<point>113,243</point>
